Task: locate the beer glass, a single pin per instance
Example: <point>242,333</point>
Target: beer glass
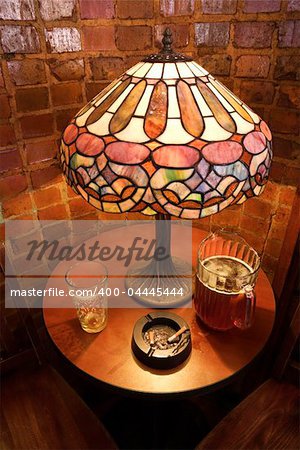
<point>87,285</point>
<point>225,281</point>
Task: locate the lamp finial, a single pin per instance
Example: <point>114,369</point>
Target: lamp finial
<point>167,41</point>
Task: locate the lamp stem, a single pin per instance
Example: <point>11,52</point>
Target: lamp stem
<point>163,232</point>
<point>161,276</point>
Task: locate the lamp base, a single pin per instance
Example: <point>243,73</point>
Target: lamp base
<point>161,284</point>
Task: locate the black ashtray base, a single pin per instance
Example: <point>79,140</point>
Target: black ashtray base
<point>150,340</point>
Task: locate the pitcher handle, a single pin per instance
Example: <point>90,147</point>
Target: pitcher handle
<point>249,309</point>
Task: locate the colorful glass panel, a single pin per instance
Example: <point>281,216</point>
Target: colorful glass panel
<point>166,138</point>
<point>156,115</point>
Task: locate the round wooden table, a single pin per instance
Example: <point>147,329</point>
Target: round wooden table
<point>216,356</point>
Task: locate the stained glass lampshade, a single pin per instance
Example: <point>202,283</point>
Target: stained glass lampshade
<point>166,138</point>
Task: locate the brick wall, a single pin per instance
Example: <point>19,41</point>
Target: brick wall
<point>58,54</point>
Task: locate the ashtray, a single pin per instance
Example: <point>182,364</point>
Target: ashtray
<point>161,340</point>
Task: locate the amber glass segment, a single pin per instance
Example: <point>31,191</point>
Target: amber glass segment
<point>127,108</point>
<point>97,98</point>
<point>103,107</point>
<point>236,105</point>
<point>156,115</point>
<point>222,116</point>
<point>191,117</point>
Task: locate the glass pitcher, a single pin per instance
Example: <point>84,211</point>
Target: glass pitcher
<point>225,281</point>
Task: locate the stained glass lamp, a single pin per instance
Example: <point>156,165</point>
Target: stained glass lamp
<point>166,139</point>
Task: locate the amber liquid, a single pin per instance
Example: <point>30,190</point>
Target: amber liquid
<point>92,320</point>
<point>219,299</point>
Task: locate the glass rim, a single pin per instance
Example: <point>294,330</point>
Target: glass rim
<point>101,278</point>
<point>258,259</point>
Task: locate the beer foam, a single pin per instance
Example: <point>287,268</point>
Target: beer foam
<point>224,273</point>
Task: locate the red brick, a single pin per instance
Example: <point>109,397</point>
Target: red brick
<point>69,70</point>
<point>66,93</point>
<point>106,68</point>
<point>256,66</point>
<point>177,8</point>
<point>284,121</point>
<point>61,40</point>
<point>71,193</point>
<point>279,223</point>
<point>131,61</point>
<point>2,84</point>
<point>277,171</point>
<point>46,176</point>
<point>54,212</point>
<point>229,217</point>
<point>287,195</point>
<point>104,216</point>
<point>219,6</point>
<point>282,214</point>
<point>27,72</point>
<point>255,225</point>
<point>291,176</point>
<point>62,118</point>
<point>34,126</point>
<point>203,224</point>
<point>40,151</point>
<point>213,34</point>
<point>92,89</point>
<point>134,37</point>
<point>289,96</point>
<point>271,192</point>
<point>260,111</point>
<point>25,227</point>
<point>287,68</point>
<point>12,185</point>
<point>135,9</point>
<point>79,207</point>
<point>10,159</point>
<point>46,197</point>
<point>93,9</point>
<point>91,216</point>
<point>257,207</point>
<point>17,10</point>
<point>19,39</point>
<point>7,135</point>
<point>273,247</point>
<point>285,148</point>
<point>56,10</point>
<point>2,232</point>
<point>17,206</point>
<point>99,38</point>
<point>216,64</point>
<point>289,34</point>
<point>257,92</point>
<point>269,263</point>
<point>293,5</point>
<point>181,35</point>
<point>253,34</point>
<point>5,111</point>
<point>256,241</point>
<point>32,99</point>
<point>256,6</point>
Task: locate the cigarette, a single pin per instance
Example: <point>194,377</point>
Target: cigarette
<point>178,333</point>
<point>151,337</point>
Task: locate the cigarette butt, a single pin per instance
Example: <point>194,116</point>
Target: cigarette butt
<point>161,346</point>
<point>178,333</point>
<point>151,336</point>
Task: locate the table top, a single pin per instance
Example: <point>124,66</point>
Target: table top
<point>107,356</point>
